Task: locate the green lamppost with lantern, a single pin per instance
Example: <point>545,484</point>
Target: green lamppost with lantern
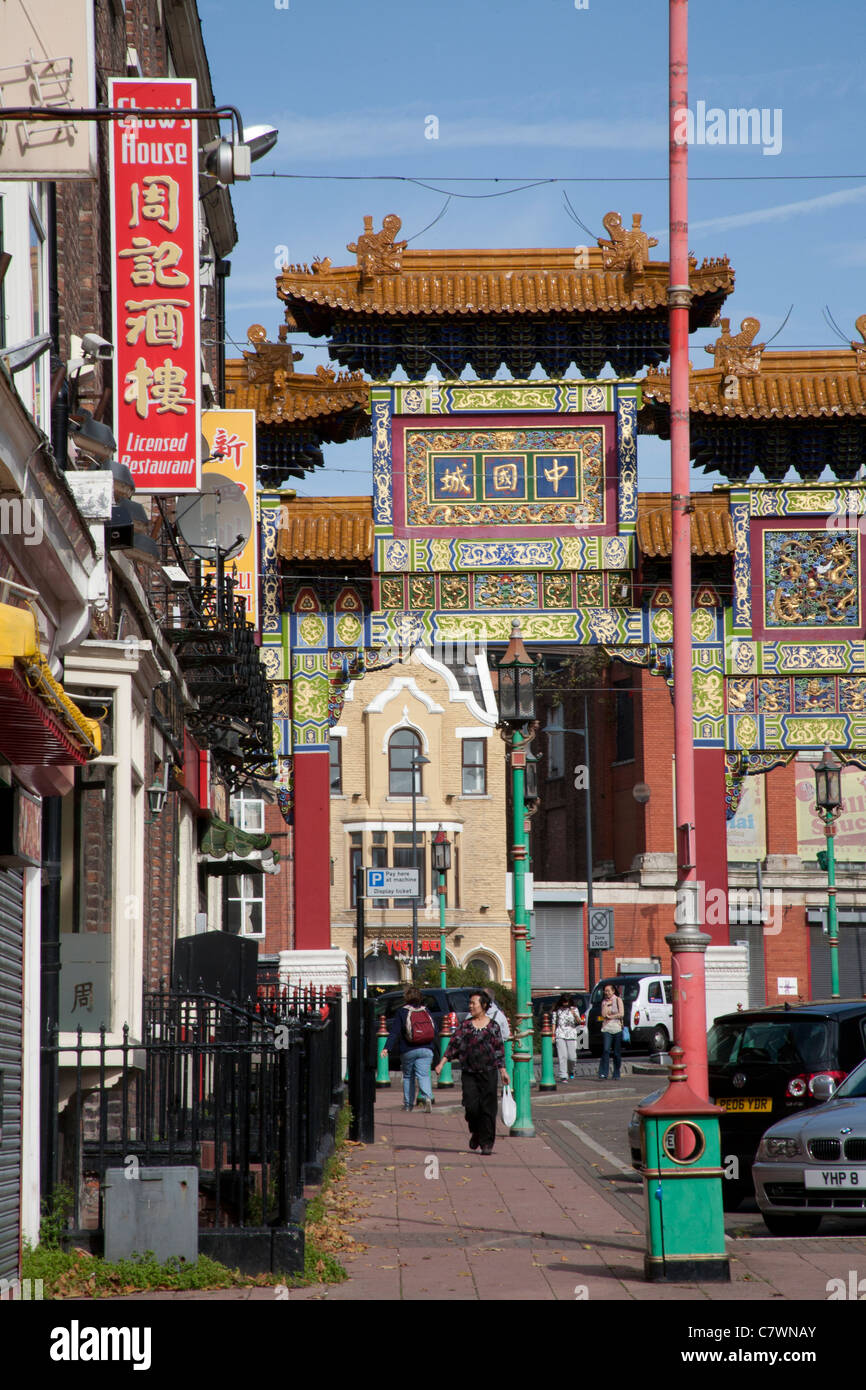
<point>441,865</point>
<point>828,801</point>
<point>516,716</point>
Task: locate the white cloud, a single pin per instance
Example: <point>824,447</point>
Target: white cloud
<point>781,211</point>
<point>382,134</point>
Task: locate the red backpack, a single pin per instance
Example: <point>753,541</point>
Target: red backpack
<point>418,1026</point>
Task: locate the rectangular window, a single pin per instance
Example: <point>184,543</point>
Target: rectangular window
<point>379,860</point>
<point>245,904</point>
<point>455,860</point>
<point>474,766</point>
<point>555,744</point>
<point>248,813</point>
<point>404,858</point>
<point>624,725</point>
<point>335,754</point>
<point>38,319</point>
<point>2,292</point>
<point>356,860</point>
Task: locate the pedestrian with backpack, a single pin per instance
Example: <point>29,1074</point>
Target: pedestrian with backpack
<point>477,1046</point>
<point>413,1033</point>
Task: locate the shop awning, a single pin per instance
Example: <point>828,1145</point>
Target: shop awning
<point>39,724</point>
<point>228,850</point>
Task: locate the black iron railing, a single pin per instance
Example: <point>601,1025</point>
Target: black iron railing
<point>247,1093</point>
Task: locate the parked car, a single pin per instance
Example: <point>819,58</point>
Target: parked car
<point>768,1064</point>
<point>648,1004</point>
<point>813,1164</point>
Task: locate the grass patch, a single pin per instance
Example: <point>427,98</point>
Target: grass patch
<point>74,1274</point>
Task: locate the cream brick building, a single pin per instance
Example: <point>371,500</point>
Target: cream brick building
<point>447,714</point>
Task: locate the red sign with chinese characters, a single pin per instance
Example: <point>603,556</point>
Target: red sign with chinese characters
<point>155,283</point>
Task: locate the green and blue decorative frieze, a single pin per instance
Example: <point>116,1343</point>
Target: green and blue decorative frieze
<point>799,561</point>
<point>534,460</point>
<point>405,628</point>
<point>791,731</point>
<point>447,555</point>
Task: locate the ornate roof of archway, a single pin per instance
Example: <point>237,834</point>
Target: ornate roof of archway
<point>456,308</point>
<point>326,528</point>
<point>770,410</point>
<point>712,531</point>
<point>296,412</point>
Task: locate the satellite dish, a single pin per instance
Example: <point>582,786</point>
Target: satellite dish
<point>217,520</point>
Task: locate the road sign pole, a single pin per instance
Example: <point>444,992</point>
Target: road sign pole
<point>361,1091</point>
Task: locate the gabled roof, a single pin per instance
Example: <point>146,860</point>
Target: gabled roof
<point>265,381</point>
<point>389,279</point>
<point>321,528</point>
<point>769,410</point>
<point>712,531</point>
<point>747,383</point>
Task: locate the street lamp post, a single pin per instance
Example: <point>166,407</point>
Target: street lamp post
<point>418,761</point>
<point>828,800</point>
<point>441,864</point>
<point>516,715</point>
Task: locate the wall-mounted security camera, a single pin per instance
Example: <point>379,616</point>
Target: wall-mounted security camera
<point>94,346</point>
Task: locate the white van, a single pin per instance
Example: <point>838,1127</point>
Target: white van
<point>649,1011</point>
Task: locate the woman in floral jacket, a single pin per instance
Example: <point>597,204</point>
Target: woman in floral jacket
<point>477,1046</point>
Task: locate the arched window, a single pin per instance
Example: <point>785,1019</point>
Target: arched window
<point>403,746</point>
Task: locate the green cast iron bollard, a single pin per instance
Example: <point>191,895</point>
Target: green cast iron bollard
<point>548,1076</point>
<point>446,1080</point>
<point>383,1074</point>
<point>682,1174</point>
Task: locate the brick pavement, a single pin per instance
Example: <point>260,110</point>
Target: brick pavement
<point>441,1222</point>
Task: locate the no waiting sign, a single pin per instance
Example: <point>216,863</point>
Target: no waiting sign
<point>601,929</point>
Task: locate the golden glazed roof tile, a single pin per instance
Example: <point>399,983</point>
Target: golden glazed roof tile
<point>617,275</point>
<point>712,531</point>
<point>265,381</point>
<point>746,382</point>
<point>317,528</point>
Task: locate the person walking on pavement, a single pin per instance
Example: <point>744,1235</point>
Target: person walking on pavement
<point>566,1021</point>
<point>477,1046</point>
<point>413,1033</point>
<point>612,1014</point>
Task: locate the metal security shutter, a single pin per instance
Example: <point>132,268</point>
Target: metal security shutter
<point>753,935</point>
<point>852,962</point>
<point>557,949</point>
<point>11,953</point>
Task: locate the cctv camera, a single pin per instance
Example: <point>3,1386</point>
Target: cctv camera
<point>94,346</point>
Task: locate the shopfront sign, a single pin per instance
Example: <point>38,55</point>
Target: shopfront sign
<point>155,286</point>
<point>231,440</point>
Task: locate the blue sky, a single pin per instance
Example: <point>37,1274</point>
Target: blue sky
<point>537,89</point>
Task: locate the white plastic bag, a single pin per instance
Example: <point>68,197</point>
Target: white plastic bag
<point>509,1107</point>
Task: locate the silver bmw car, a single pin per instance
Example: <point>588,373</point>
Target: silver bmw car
<point>813,1164</point>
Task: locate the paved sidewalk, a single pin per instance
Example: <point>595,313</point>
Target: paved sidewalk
<point>440,1221</point>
